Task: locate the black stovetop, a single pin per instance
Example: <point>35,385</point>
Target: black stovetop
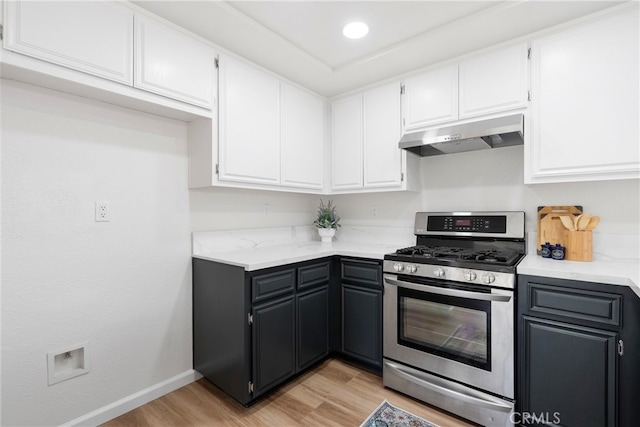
<point>465,253</point>
<point>493,256</point>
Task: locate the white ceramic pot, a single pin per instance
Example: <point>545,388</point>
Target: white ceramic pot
<point>326,234</point>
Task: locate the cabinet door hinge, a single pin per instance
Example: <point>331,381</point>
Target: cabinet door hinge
<point>620,347</point>
<point>250,318</point>
<point>250,387</point>
<point>528,95</point>
<point>217,169</point>
<point>1,32</point>
<point>217,62</point>
<point>402,177</point>
<point>529,53</point>
<point>401,89</point>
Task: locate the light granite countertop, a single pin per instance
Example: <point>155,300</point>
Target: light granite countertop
<point>611,263</point>
<point>262,257</point>
<point>255,249</point>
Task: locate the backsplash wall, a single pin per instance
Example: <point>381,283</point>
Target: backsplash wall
<point>493,180</point>
<point>231,208</point>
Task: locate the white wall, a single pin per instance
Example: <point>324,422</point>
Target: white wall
<point>225,209</point>
<point>124,286</point>
<point>493,180</point>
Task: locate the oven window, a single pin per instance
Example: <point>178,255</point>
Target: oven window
<point>451,327</point>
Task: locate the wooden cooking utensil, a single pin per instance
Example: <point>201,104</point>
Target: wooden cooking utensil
<point>575,220</point>
<point>567,221</point>
<point>593,222</point>
<point>583,221</point>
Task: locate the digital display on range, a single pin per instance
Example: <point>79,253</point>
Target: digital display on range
<point>472,223</point>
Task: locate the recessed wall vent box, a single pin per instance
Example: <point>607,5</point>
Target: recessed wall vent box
<point>68,362</point>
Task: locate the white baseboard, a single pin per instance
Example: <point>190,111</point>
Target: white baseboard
<point>122,406</point>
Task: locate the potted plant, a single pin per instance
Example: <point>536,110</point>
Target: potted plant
<point>327,221</point>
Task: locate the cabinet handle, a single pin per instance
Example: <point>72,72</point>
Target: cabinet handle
<point>620,347</point>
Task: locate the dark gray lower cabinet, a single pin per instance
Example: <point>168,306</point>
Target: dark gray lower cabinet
<point>273,344</point>
<point>578,346</point>
<point>254,330</point>
<point>569,372</point>
<point>362,311</point>
<point>313,326</point>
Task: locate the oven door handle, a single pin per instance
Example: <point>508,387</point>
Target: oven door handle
<point>449,291</point>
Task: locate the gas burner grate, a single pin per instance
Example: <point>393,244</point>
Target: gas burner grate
<point>490,256</point>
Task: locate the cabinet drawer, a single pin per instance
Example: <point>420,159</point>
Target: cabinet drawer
<point>363,273</point>
<point>598,307</point>
<point>313,275</point>
<point>270,285</point>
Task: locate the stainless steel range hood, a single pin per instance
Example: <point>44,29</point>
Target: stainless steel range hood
<point>479,135</point>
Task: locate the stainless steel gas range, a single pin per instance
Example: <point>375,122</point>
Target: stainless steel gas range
<point>449,313</point>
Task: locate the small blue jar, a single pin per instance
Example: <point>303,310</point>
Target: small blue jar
<point>545,250</point>
<point>557,252</point>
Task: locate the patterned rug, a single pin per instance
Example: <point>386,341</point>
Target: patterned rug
<point>387,415</point>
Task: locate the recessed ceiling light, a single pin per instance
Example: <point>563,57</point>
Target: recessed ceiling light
<point>355,30</point>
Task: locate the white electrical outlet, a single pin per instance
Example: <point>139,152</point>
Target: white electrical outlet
<point>374,211</point>
<point>102,212</point>
<point>266,210</point>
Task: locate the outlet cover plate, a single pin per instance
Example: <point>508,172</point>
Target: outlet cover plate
<point>102,212</point>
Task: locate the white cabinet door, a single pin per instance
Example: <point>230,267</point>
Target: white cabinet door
<point>585,103</point>
<point>493,82</point>
<point>301,138</point>
<point>173,64</point>
<point>382,132</point>
<point>249,117</point>
<point>346,115</point>
<point>94,37</point>
<point>431,98</point>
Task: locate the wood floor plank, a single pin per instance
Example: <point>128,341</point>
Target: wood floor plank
<point>334,393</point>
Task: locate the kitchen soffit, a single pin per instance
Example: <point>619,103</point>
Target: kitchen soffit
<point>302,40</point>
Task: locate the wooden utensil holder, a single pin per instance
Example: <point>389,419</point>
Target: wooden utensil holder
<point>578,245</point>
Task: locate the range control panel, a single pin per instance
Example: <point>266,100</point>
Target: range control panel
<point>470,223</point>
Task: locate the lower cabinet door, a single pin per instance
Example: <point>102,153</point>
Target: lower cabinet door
<point>568,374</point>
<point>313,326</point>
<point>362,324</point>
<point>273,343</point>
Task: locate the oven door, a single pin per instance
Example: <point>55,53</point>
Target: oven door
<point>454,330</point>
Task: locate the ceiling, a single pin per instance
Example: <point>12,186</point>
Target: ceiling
<point>302,40</point>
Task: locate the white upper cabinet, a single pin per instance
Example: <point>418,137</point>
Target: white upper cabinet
<point>366,132</point>
<point>270,134</point>
<point>173,64</point>
<point>249,117</point>
<point>585,104</point>
<point>301,143</point>
<point>346,120</point>
<point>431,98</point>
<point>382,132</point>
<point>94,37</point>
<point>493,82</point>
<point>483,84</point>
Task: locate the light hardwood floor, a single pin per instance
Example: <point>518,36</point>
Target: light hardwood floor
<point>335,393</point>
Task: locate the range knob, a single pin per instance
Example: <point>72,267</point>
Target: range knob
<point>398,267</point>
<point>470,275</point>
<point>438,272</point>
<point>412,268</point>
<point>488,278</point>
